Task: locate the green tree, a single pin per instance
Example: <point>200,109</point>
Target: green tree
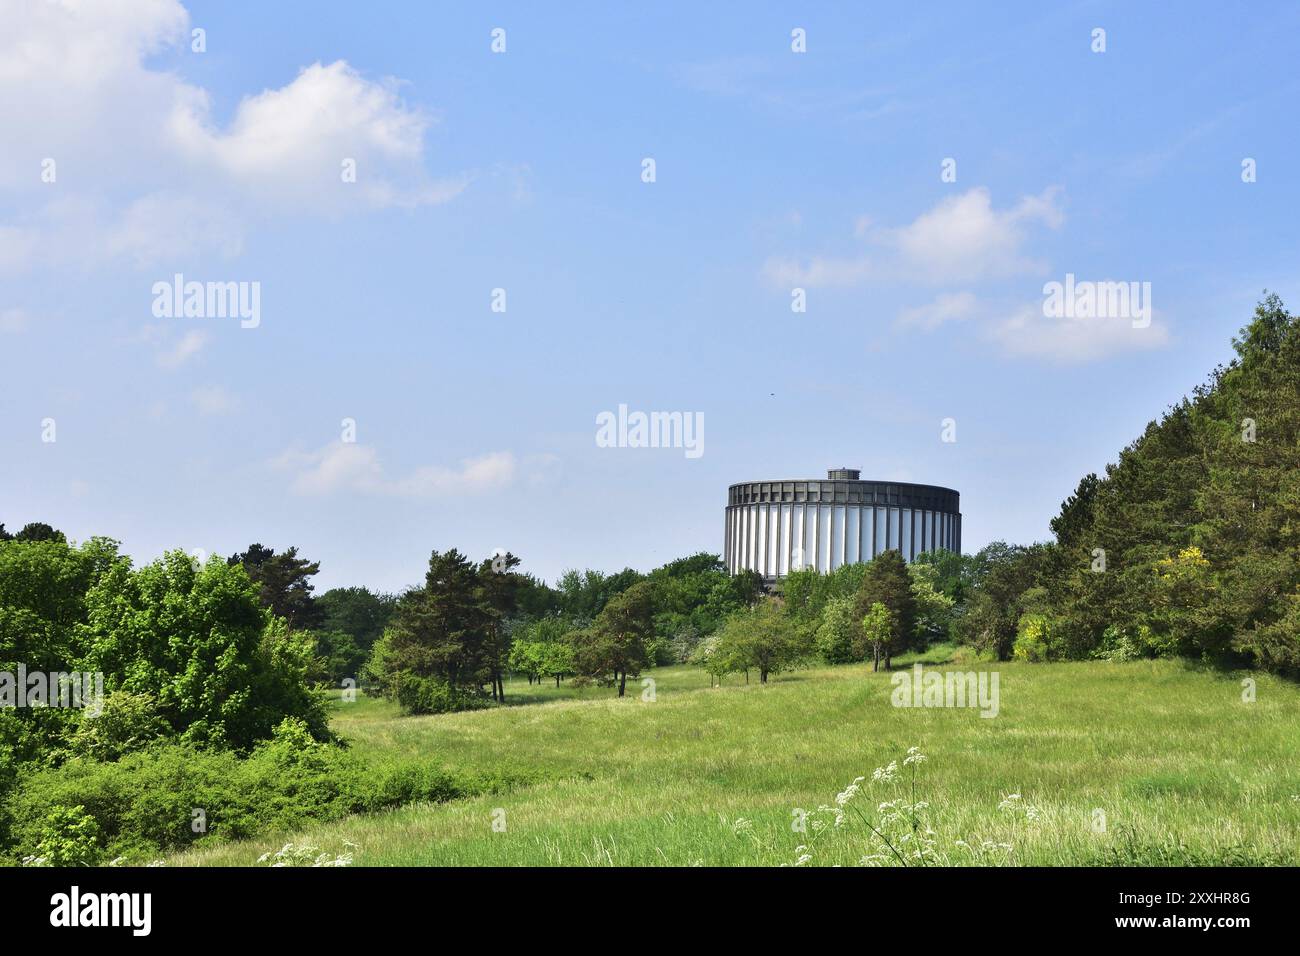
<point>888,582</point>
<point>1266,333</point>
<point>954,574</point>
<point>708,654</point>
<point>439,630</point>
<point>39,531</point>
<point>993,612</point>
<point>528,658</point>
<point>196,639</point>
<point>70,837</point>
<point>583,595</point>
<point>615,646</point>
<point>283,582</point>
<point>43,611</point>
<point>356,611</point>
<point>763,638</point>
<point>498,589</point>
<point>838,635</point>
<point>339,657</point>
<point>1074,522</point>
<point>934,608</point>
<point>1218,476</point>
<point>557,660</point>
<point>879,630</point>
<point>542,650</point>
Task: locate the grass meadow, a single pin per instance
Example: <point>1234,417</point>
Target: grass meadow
<point>1184,770</point>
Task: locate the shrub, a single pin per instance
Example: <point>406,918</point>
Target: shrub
<point>966,655</point>
<point>432,695</point>
<point>145,803</point>
<point>1131,643</point>
<point>223,670</point>
<point>1118,645</point>
<point>682,646</point>
<point>127,723</point>
<point>69,836</point>
<point>1032,639</point>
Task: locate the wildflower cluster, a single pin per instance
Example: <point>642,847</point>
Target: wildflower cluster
<point>292,854</point>
<point>898,832</point>
<point>1015,806</point>
<point>899,829</point>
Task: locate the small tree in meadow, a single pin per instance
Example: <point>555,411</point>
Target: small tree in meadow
<point>838,637</point>
<point>528,658</point>
<point>615,646</point>
<point>557,661</point>
<point>888,582</point>
<point>877,633</point>
<point>763,638</point>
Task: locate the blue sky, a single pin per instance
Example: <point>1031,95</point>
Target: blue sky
<point>522,171</point>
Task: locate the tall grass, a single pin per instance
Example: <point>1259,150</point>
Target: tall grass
<point>1181,768</point>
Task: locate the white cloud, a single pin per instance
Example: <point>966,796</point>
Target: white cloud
<point>73,87</point>
<point>288,145</point>
<point>821,272</point>
<point>144,174</point>
<point>961,239</point>
<point>965,238</point>
<point>949,307</point>
<point>351,467</point>
<point>1030,334</point>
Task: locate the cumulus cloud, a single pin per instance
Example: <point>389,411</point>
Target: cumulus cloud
<point>352,467</point>
<point>143,173</point>
<point>1029,333</point>
<point>290,145</point>
<point>965,238</point>
<point>962,238</point>
<point>74,88</point>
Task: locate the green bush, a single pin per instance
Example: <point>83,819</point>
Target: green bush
<point>432,695</point>
<point>128,722</point>
<point>224,671</point>
<point>1033,639</point>
<point>69,836</point>
<point>146,802</point>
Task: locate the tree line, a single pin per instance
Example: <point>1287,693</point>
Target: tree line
<point>452,641</point>
<point>1187,545</point>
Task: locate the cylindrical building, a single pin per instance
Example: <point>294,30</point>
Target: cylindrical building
<point>775,527</point>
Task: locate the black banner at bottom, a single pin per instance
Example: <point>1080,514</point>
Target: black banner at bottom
<point>330,905</point>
